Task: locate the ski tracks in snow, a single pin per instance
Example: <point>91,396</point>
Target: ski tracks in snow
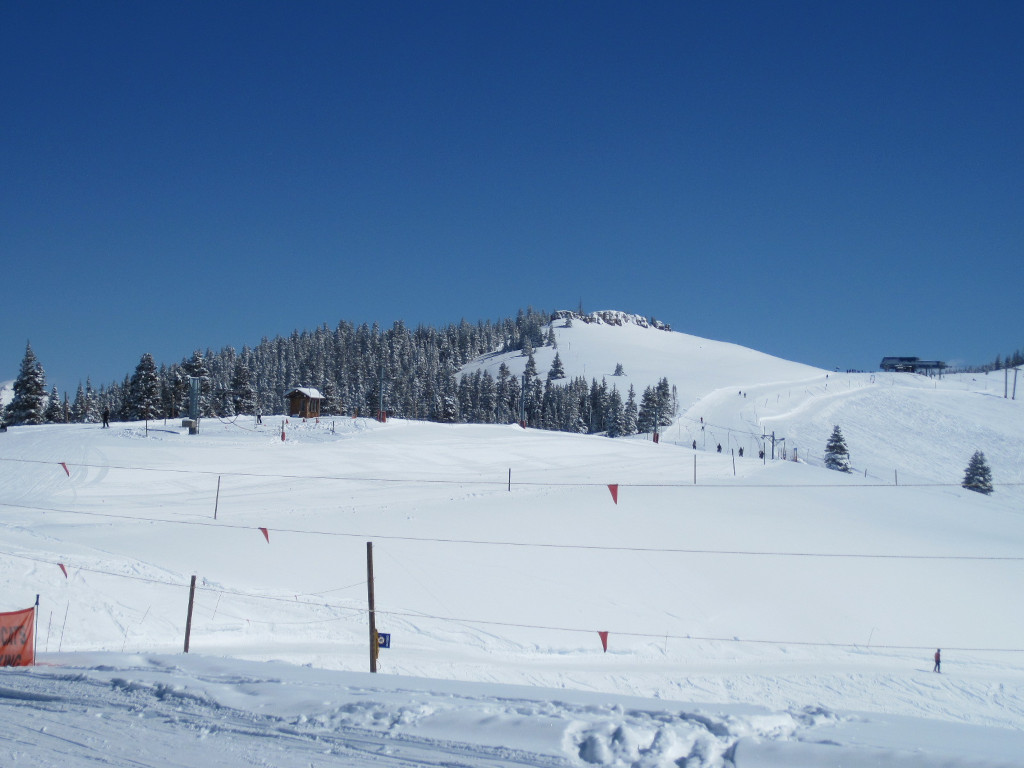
<point>137,717</point>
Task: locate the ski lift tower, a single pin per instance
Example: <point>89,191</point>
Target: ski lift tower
<point>774,440</point>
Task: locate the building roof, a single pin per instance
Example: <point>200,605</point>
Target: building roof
<point>309,392</point>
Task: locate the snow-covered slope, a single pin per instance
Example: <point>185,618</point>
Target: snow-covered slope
<point>593,345</point>
<point>756,606</point>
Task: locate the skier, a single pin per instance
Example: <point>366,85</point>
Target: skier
<point>106,417</point>
<point>938,660</point>
<point>719,447</point>
<point>695,445</point>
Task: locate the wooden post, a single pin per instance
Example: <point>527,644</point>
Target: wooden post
<point>510,479</point>
<point>191,601</point>
<point>369,596</point>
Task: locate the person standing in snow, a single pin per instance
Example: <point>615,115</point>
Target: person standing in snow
<point>938,660</point>
<point>106,417</point>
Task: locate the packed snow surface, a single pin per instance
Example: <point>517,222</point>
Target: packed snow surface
<point>758,612</point>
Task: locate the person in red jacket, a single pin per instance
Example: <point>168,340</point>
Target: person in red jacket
<point>938,659</point>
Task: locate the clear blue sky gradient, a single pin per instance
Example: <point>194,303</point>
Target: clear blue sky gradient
<point>826,182</point>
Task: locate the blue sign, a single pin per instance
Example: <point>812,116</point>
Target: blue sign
<point>383,639</point>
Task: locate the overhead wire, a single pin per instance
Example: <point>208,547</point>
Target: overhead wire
<point>485,622</point>
<point>502,483</point>
<point>524,544</point>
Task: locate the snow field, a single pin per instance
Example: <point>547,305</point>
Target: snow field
<point>790,610</point>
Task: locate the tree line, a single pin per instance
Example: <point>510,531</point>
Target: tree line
<point>360,370</point>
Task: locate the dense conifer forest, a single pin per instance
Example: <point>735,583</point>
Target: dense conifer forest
<point>361,370</point>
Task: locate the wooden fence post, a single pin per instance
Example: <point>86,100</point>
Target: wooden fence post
<point>191,601</point>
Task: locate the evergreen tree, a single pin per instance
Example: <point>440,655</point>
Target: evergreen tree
<point>503,407</point>
<point>54,413</point>
<point>449,410</point>
<point>837,456</point>
<point>29,403</point>
<point>615,419</point>
<point>531,368</point>
<point>92,406</point>
<point>978,476</point>
<point>331,405</point>
<point>629,413</point>
<point>619,370</point>
<point>557,369</point>
<point>649,415</point>
<point>486,401</point>
<point>144,391</point>
<point>666,403</point>
<point>78,408</point>
<point>244,396</point>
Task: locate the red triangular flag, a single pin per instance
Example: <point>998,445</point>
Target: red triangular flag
<point>63,569</point>
<point>615,492</point>
<point>266,534</point>
<point>604,640</point>
<point>66,468</point>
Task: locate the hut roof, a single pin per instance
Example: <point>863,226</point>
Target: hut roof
<point>309,392</point>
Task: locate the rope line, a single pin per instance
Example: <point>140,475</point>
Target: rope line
<point>484,622</point>
<point>662,635</point>
<point>497,483</point>
<point>528,544</point>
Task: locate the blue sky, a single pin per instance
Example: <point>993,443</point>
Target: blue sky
<point>825,182</point>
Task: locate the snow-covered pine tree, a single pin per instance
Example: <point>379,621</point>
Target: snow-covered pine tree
<point>29,403</point>
<point>54,413</point>
<point>93,412</point>
<point>502,408</point>
<point>449,410</point>
<point>666,403</point>
<point>615,419</point>
<point>978,476</point>
<point>619,371</point>
<point>245,395</point>
<point>144,391</point>
<point>331,405</point>
<point>78,408</point>
<point>557,369</point>
<point>629,413</point>
<point>837,456</point>
<point>530,372</point>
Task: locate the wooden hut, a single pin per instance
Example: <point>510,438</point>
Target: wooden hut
<point>304,402</point>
